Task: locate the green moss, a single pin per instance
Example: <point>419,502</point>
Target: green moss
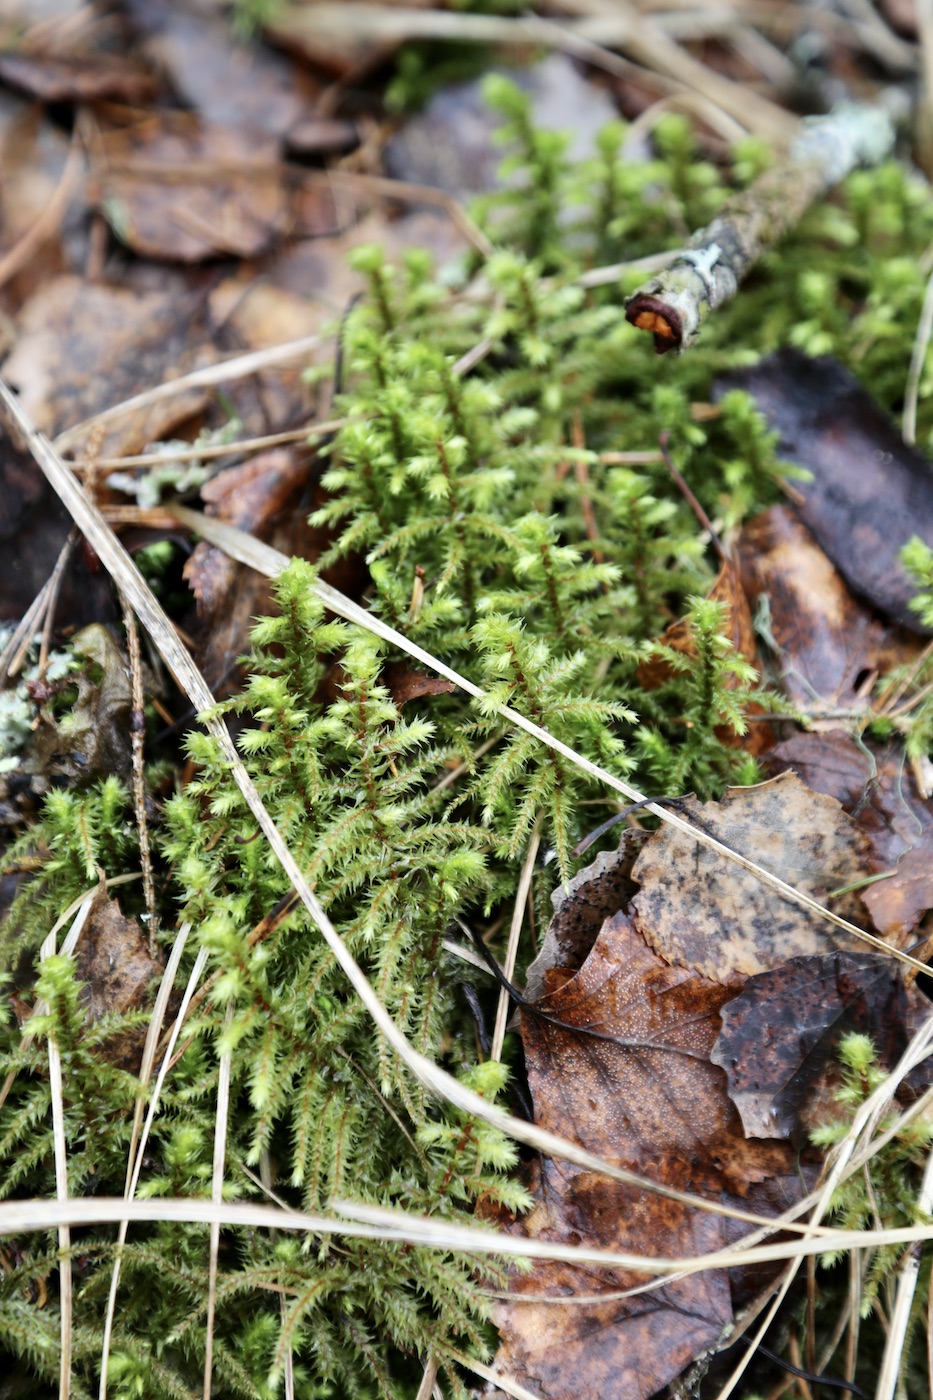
<point>502,532</point>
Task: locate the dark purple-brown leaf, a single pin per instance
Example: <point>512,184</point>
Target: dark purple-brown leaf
<point>869,491</point>
<point>779,1035</point>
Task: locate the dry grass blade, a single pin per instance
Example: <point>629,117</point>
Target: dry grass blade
<point>82,908</point>
<point>596,25</point>
<point>137,1143</point>
<point>357,1221</point>
<point>207,451</point>
<point>60,1141</point>
<point>436,1080</point>
<point>247,550</point>
<point>917,362</point>
<point>908,1278</point>
<point>511,952</point>
<point>217,1196</point>
<point>507,1384</point>
<point>66,1295</point>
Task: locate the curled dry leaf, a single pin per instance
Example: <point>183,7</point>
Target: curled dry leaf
<point>405,684</point>
<point>698,909</point>
<point>780,1033</point>
<point>875,785</point>
<point>869,491</point>
<point>580,908</point>
<point>827,643</point>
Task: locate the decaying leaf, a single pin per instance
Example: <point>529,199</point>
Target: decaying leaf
<point>175,188</point>
<point>405,684</point>
<point>875,785</point>
<point>727,589</point>
<point>228,81</point>
<point>117,966</point>
<point>593,895</point>
<point>84,346</point>
<point>622,1066</point>
<point>827,643</point>
<point>627,1348</point>
<point>631,1079</point>
<point>698,909</point>
<point>869,491</point>
<point>93,737</point>
<point>260,496</point>
<point>77,76</point>
<point>780,1033</point>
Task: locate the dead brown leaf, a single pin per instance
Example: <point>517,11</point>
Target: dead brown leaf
<point>656,669</point>
<point>84,346</point>
<point>227,81</point>
<point>118,968</point>
<point>627,1071</point>
<point>173,187</point>
<point>697,909</point>
<point>404,684</point>
<point>261,496</point>
<point>580,909</point>
<point>622,1066</point>
<point>780,1033</point>
<point>79,77</point>
<point>828,643</point>
<point>627,1348</point>
<point>869,491</point>
<point>875,785</point>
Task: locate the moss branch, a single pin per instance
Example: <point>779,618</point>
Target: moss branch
<point>674,305</point>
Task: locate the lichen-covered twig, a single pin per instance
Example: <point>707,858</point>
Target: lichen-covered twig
<point>674,304</point>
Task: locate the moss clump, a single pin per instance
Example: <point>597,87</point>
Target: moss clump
<point>504,532</point>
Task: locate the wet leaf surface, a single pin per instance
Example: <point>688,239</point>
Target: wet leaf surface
<point>698,909</point>
<point>870,492</point>
<point>780,1034</point>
